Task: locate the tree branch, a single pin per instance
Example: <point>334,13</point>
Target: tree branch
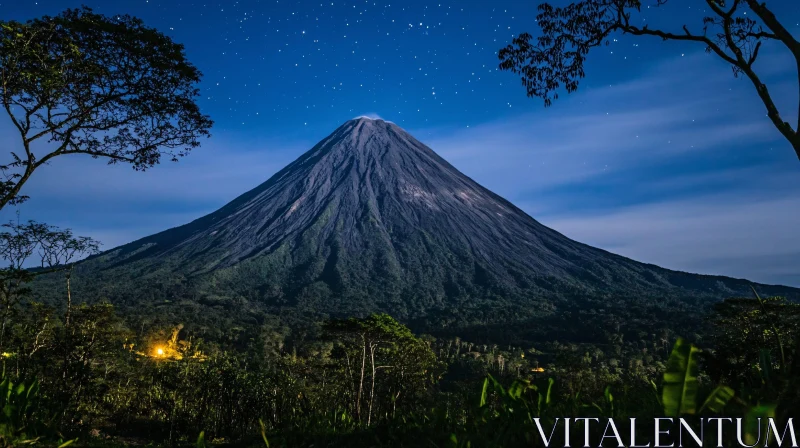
<point>80,76</point>
<point>746,67</point>
<point>688,36</point>
<point>7,106</point>
<point>779,31</point>
<point>79,116</point>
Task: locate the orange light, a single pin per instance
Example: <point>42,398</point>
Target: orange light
<point>160,351</point>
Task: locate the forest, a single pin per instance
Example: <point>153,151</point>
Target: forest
<point>83,374</point>
<point>90,371</point>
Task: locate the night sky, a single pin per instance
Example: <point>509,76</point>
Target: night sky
<point>662,155</point>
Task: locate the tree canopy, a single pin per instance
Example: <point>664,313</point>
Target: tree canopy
<point>83,83</point>
<point>556,58</point>
<point>89,84</point>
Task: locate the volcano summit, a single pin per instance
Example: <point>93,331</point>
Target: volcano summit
<point>370,219</point>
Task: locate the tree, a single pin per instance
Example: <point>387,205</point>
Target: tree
<point>111,88</point>
<point>90,348</point>
<point>56,249</point>
<point>383,344</point>
<point>757,348</point>
<point>556,58</point>
<point>743,328</point>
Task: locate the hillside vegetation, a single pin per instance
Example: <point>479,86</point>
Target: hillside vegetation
<point>111,381</point>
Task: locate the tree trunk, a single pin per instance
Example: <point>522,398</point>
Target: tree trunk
<point>399,390</point>
<point>67,335</point>
<point>350,381</point>
<point>6,313</point>
<point>361,382</point>
<point>8,303</point>
<point>796,142</point>
<point>372,388</point>
<point>69,299</point>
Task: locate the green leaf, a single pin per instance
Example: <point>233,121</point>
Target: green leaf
<point>607,394</point>
<point>751,423</point>
<point>516,389</point>
<point>717,400</point>
<point>484,391</point>
<point>5,386</point>
<point>33,390</point>
<point>765,362</point>
<point>655,389</point>
<point>679,394</point>
<point>201,440</point>
<point>263,432</point>
<point>609,401</point>
<point>497,386</point>
<point>68,443</point>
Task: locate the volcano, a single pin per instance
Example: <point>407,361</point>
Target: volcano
<point>370,219</point>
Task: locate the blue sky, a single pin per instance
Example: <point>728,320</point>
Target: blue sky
<point>662,155</point>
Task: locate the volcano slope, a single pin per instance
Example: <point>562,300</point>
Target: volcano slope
<point>370,219</point>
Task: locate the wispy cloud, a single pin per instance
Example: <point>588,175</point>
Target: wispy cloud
<point>746,237</point>
<point>372,115</point>
<point>668,169</point>
<point>665,116</point>
<point>116,205</point>
<point>671,168</point>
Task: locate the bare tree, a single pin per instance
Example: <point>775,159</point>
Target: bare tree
<point>556,58</point>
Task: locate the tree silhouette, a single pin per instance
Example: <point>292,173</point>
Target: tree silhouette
<point>556,58</point>
<point>57,250</point>
<point>90,84</point>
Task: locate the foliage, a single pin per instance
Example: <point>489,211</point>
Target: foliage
<point>21,420</point>
<point>17,402</point>
<point>90,84</point>
<point>680,380</point>
<point>380,344</point>
<point>556,57</point>
<point>291,380</point>
<point>757,350</point>
<point>56,249</point>
<point>349,383</point>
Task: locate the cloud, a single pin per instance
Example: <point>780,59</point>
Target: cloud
<point>671,168</point>
<point>681,172</point>
<point>371,115</point>
<point>116,205</point>
<point>745,237</point>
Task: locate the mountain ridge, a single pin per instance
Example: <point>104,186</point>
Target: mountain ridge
<point>371,219</point>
